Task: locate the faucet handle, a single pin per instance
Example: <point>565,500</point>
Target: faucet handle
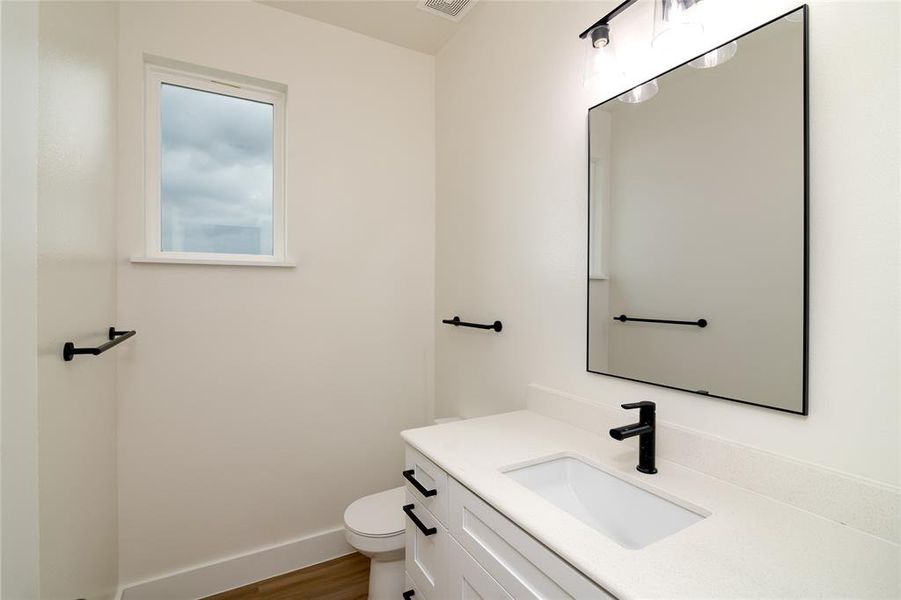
<point>642,404</point>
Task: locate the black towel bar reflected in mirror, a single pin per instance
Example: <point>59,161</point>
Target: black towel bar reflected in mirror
<point>115,338</point>
<point>698,323</point>
<point>456,322</point>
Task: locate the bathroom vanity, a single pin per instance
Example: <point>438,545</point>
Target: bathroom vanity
<point>521,505</point>
<point>461,547</point>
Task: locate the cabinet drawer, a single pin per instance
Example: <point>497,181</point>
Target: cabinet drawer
<point>466,580</point>
<point>411,590</point>
<point>426,543</point>
<point>518,562</point>
<point>428,476</point>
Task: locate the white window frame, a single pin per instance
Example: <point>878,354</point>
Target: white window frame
<point>155,76</point>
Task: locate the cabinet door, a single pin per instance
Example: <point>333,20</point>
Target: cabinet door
<point>426,542</point>
<point>515,559</point>
<point>466,580</point>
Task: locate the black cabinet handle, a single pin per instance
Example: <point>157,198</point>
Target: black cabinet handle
<point>408,475</point>
<point>426,531</point>
<point>408,594</point>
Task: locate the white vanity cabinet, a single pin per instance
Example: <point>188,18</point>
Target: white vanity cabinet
<point>426,549</point>
<point>467,580</point>
<point>458,547</point>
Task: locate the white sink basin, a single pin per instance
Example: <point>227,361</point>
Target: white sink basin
<point>629,515</point>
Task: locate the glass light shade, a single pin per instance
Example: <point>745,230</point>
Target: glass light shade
<point>640,93</point>
<point>676,22</point>
<point>715,57</point>
<point>600,63</point>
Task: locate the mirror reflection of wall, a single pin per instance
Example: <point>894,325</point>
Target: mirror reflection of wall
<point>697,208</point>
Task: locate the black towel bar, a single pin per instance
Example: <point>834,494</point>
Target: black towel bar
<point>698,323</point>
<point>115,337</point>
<point>456,322</point>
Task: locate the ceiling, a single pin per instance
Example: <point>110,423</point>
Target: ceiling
<point>396,21</point>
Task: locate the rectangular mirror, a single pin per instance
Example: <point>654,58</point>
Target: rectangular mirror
<point>698,224</point>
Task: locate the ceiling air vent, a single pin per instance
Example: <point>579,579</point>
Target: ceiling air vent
<point>449,9</point>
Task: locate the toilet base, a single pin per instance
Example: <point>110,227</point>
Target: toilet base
<point>386,579</point>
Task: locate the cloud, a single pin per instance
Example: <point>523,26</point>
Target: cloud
<point>216,161</point>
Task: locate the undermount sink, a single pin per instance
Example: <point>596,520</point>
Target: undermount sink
<point>627,514</point>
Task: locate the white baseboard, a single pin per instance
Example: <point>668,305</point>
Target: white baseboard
<point>229,573</point>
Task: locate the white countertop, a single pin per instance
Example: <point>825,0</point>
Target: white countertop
<point>749,547</point>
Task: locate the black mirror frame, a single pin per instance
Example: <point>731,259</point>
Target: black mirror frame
<point>806,260</point>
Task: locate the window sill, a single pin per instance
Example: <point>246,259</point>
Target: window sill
<point>228,262</point>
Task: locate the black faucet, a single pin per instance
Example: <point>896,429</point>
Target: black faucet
<point>645,430</point>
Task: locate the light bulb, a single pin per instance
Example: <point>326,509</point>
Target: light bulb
<point>600,36</point>
<point>640,93</point>
<point>715,57</point>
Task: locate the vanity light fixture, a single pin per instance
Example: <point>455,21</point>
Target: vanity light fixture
<point>640,93</point>
<point>673,21</point>
<point>600,58</point>
<point>716,56</point>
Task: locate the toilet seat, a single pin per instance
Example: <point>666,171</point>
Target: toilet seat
<point>377,515</point>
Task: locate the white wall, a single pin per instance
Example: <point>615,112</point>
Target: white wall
<point>78,55</point>
<point>18,290</point>
<point>257,403</point>
<point>511,213</point>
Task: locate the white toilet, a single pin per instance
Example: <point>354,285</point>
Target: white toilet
<point>375,526</point>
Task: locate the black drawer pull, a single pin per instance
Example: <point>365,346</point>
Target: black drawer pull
<point>408,594</point>
<point>408,475</point>
<point>426,531</point>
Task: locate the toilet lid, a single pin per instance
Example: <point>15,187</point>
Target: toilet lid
<point>378,515</point>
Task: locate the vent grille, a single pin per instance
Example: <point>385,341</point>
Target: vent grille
<point>454,10</point>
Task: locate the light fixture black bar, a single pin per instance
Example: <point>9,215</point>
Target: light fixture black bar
<point>608,17</point>
<point>456,322</point>
<point>698,323</point>
<point>115,337</point>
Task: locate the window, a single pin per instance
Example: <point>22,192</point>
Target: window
<point>214,169</point>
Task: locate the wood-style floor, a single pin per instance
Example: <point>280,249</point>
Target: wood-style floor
<point>345,578</point>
